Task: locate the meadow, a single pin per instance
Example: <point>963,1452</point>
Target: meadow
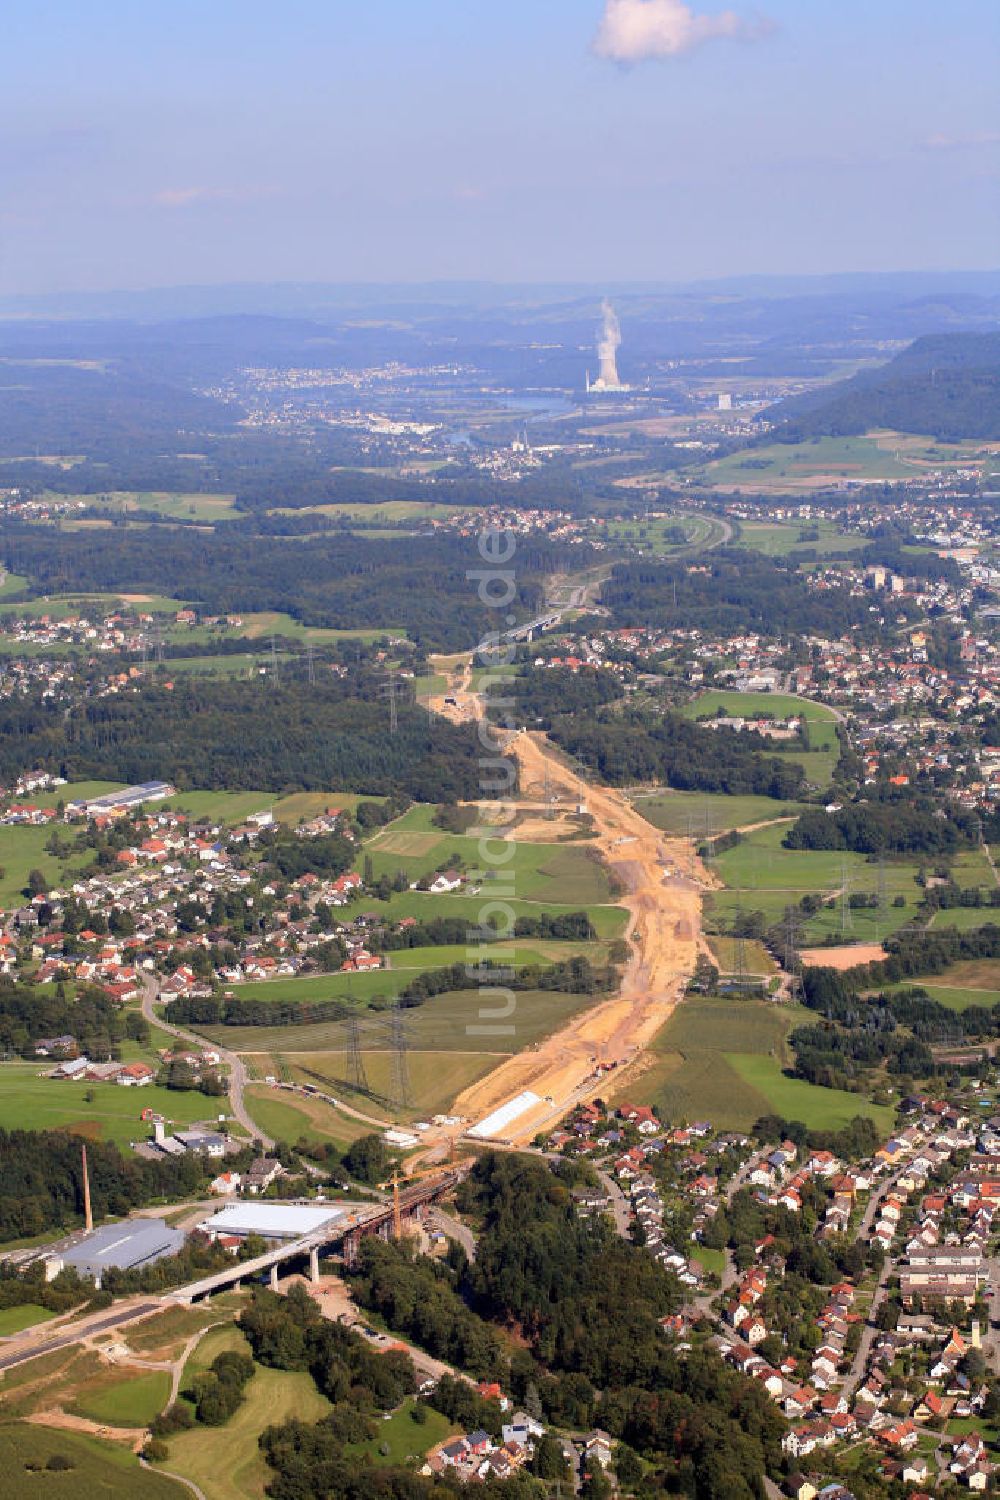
<point>451,1040</point>
<point>792,467</point>
<point>700,815</point>
<point>405,1439</point>
<point>96,1468</point>
<point>778,538</point>
<point>17,1319</point>
<point>110,1113</point>
<point>721,1059</point>
<point>130,1398</point>
<point>225,1463</point>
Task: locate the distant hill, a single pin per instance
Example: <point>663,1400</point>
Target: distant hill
<point>946,385</point>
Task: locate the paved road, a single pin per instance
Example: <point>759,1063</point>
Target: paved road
<point>620,1206</point>
<point>454,1229</point>
<point>84,1329</point>
<point>232,1060</point>
<point>859,1363</point>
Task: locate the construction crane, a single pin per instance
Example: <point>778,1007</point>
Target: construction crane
<point>402,1179</point>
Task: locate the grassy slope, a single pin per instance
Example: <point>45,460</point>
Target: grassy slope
<point>225,1462</point>
<point>98,1468</point>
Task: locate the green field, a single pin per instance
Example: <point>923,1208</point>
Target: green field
<point>760,875</point>
<point>793,467</point>
<point>98,1469</point>
<point>17,1319</point>
<point>286,1117</point>
<point>22,850</point>
<point>37,1103</point>
<point>534,872</point>
<point>820,1109</point>
<point>173,506</point>
<point>452,1040</point>
<point>821,720</point>
<point>778,538</point>
<point>721,1059</point>
<point>652,534</point>
<point>702,814</point>
<point>131,1401</point>
<point>406,1439</point>
<point>225,1462</point>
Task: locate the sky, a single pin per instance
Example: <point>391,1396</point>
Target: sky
<point>167,142</point>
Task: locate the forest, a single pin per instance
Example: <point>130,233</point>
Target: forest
<point>414,584</point>
<point>647,745</point>
<point>236,734</point>
<point>41,1180</point>
<point>733,591</point>
<point>947,385</point>
<point>895,825</point>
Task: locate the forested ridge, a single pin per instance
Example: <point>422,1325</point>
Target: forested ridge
<point>947,385</point>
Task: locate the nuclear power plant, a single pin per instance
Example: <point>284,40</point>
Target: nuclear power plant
<point>609,337</point>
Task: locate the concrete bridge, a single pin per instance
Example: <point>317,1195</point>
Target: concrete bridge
<point>344,1230</point>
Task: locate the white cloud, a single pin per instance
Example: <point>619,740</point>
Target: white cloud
<point>634,31</point>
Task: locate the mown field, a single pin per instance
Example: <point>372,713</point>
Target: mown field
<point>286,1117</point>
<point>722,1059</point>
<point>451,1039</point>
<point>701,815</point>
<point>405,1439</point>
<point>110,1114</point>
<point>778,538</point>
<point>783,468</point>
<point>225,1463</point>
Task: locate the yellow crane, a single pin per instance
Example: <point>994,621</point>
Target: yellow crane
<point>401,1179</point>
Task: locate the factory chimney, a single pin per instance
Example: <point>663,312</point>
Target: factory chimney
<point>88,1217</point>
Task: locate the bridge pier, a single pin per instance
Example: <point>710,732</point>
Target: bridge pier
<point>274,1277</point>
<point>314,1265</point>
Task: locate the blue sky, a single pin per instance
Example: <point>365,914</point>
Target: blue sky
<point>151,143</point>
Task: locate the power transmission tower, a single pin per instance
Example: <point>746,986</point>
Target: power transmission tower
<point>846,919</point>
<point>311,663</point>
<point>274,661</point>
<point>740,952</point>
<point>356,1074</point>
<point>398,1042</point>
<point>791,940</point>
<point>389,690</point>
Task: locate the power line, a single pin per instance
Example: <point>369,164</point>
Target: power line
<point>355,1057</point>
<point>399,1042</point>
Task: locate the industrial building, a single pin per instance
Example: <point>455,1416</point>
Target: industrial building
<point>124,1246</point>
<point>122,801</point>
<point>272,1221</point>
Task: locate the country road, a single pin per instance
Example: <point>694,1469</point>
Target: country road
<point>232,1060</point>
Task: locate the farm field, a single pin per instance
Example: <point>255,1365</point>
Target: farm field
<point>971,982</point>
<point>791,467</point>
<point>172,505</point>
<point>702,814</point>
<point>112,1114</point>
<point>97,1468</point>
<point>386,510</point>
<point>535,872</point>
<point>608,921</point>
<point>721,1059</point>
<point>755,956</point>
<point>17,1319</point>
<point>652,535</point>
<point>760,875</point>
<point>435,1079</point>
<point>778,539</point>
<point>819,1108</point>
<point>225,1462</point>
